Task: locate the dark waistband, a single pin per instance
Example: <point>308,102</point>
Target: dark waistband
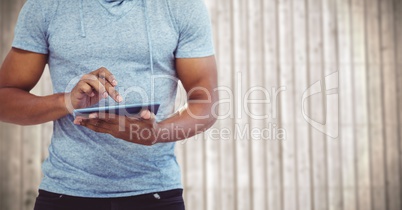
<point>154,195</point>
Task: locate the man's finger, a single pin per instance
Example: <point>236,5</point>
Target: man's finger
<point>95,84</point>
<point>113,93</point>
<point>93,115</point>
<point>105,74</point>
<point>145,114</point>
<point>110,90</point>
<point>104,118</point>
<point>85,88</point>
<point>107,79</point>
<point>78,120</point>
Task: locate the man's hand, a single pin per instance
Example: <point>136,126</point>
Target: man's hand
<point>92,88</point>
<point>199,78</point>
<point>141,129</point>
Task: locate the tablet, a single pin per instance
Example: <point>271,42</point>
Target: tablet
<point>118,110</point>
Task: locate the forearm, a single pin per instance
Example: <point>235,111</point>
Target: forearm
<point>21,107</point>
<point>199,79</point>
<point>195,119</point>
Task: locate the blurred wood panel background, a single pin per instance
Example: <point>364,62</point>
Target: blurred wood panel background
<point>346,55</point>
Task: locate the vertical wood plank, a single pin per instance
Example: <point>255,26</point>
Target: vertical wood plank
<point>13,169</point>
<point>316,105</point>
<point>302,135</point>
<point>256,109</point>
<point>361,101</point>
<point>194,178</point>
<point>398,43</point>
<point>287,110</point>
<point>2,40</point>
<point>31,162</point>
<point>347,109</point>
<point>334,65</point>
<point>242,151</point>
<point>271,77</point>
<point>225,49</point>
<point>3,161</point>
<point>389,101</point>
<point>212,143</point>
<point>378,196</point>
<point>12,133</point>
<point>212,172</point>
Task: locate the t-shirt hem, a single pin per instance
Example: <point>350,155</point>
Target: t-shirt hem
<point>193,54</point>
<point>30,48</point>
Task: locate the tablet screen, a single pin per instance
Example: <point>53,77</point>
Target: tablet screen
<point>128,109</point>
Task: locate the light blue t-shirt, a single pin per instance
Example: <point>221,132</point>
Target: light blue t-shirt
<point>138,41</point>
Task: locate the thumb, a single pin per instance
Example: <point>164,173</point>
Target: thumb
<point>146,114</point>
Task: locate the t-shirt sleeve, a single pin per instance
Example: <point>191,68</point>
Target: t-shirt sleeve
<point>195,31</point>
<point>31,30</point>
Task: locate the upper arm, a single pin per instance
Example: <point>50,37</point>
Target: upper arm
<point>22,69</point>
<point>24,64</point>
<point>195,60</point>
<point>198,76</point>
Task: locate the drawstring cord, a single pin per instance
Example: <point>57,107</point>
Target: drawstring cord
<point>83,34</point>
<point>147,22</point>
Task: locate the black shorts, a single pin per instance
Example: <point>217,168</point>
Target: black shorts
<point>167,200</point>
